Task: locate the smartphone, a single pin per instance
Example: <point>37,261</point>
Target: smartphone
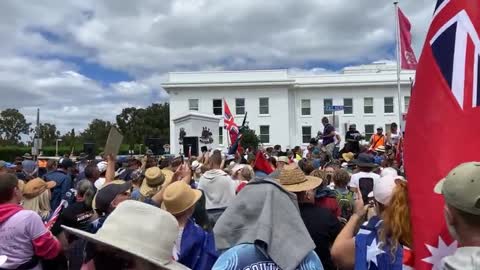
<point>204,149</point>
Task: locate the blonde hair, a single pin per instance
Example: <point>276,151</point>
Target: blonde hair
<point>396,227</point>
<point>39,204</point>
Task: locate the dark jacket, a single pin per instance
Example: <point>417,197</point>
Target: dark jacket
<point>197,250</point>
<point>64,184</point>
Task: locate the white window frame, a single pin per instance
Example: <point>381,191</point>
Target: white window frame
<point>392,105</point>
<point>369,135</point>
<point>365,106</point>
<point>192,108</point>
<point>344,106</point>
<point>306,140</point>
<point>308,107</point>
<point>261,134</point>
<point>221,106</point>
<point>325,112</point>
<point>237,107</point>
<point>406,103</point>
<point>220,135</point>
<point>260,106</point>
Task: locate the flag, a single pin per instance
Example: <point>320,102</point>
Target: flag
<point>262,164</point>
<point>445,100</point>
<point>407,56</point>
<point>229,123</point>
<point>53,218</point>
<point>372,254</point>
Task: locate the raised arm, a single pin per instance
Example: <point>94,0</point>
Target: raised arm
<point>110,173</point>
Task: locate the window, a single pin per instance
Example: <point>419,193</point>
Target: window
<point>193,104</point>
<point>369,131</point>
<point>368,105</point>
<point>217,107</point>
<point>240,106</point>
<point>220,135</point>
<point>327,103</point>
<point>263,106</point>
<point>264,134</point>
<point>306,134</point>
<point>306,107</point>
<point>347,106</point>
<point>388,104</point>
<point>406,103</point>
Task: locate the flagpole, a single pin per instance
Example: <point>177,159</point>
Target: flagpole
<point>397,41</point>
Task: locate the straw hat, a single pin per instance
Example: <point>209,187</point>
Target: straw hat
<point>348,156</point>
<point>146,243</point>
<point>168,176</point>
<point>293,179</point>
<point>179,197</point>
<point>36,186</point>
<point>154,178</point>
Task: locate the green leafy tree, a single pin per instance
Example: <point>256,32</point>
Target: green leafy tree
<point>49,134</point>
<point>249,139</point>
<point>138,124</point>
<point>97,132</point>
<point>12,126</point>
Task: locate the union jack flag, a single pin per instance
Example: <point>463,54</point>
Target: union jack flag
<point>456,49</point>
<point>229,123</point>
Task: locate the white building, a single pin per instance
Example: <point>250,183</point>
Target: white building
<point>286,108</point>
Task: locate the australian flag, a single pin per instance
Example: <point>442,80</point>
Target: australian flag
<point>372,254</point>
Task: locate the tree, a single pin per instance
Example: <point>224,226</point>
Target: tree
<point>97,132</point>
<point>249,139</point>
<point>12,126</point>
<point>70,139</point>
<point>49,134</point>
<point>138,124</point>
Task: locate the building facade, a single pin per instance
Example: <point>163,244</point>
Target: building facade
<point>287,109</point>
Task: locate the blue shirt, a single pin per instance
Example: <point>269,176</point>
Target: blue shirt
<point>64,184</point>
<point>249,257</point>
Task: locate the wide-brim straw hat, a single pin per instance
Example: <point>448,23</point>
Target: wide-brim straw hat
<point>348,156</point>
<point>37,186</point>
<point>141,230</point>
<point>293,179</point>
<point>168,176</point>
<point>179,197</point>
<point>154,178</point>
<point>381,149</point>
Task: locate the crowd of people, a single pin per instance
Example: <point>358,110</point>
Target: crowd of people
<point>321,207</point>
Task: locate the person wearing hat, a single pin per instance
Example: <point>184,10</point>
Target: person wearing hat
<point>258,241</point>
<point>62,178</point>
<point>461,189</point>
<point>36,197</point>
<point>322,225</point>
<point>151,185</point>
<point>365,164</point>
<point>124,244</point>
<point>377,140</point>
<point>24,237</point>
<point>194,248</point>
<point>391,227</point>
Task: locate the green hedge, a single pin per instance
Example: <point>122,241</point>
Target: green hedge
<point>8,153</point>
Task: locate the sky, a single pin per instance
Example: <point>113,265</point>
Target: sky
<point>80,60</point>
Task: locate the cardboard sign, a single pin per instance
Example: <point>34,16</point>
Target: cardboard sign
<point>113,142</point>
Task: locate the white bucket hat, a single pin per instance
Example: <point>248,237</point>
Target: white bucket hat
<point>152,241</point>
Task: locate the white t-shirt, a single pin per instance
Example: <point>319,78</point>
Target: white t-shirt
<point>356,177</point>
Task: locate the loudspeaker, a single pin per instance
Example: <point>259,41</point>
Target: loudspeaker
<point>190,142</point>
<point>156,145</point>
<point>89,150</point>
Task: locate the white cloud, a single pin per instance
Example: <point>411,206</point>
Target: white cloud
<point>149,38</point>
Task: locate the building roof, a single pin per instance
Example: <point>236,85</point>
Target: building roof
<point>378,73</point>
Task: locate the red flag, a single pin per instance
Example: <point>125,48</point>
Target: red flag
<point>229,123</point>
<point>407,59</point>
<point>445,100</point>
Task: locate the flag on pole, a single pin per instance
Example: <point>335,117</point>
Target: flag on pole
<point>229,123</point>
<point>56,214</point>
<point>407,59</point>
<point>445,99</point>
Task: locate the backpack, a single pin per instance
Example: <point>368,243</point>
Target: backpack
<point>345,202</point>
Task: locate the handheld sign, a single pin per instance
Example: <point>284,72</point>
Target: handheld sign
<point>113,142</point>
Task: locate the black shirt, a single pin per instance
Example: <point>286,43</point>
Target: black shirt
<point>323,228</point>
<point>76,215</point>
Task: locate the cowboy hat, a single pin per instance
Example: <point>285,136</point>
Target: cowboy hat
<point>27,156</point>
<point>154,178</point>
<point>283,159</point>
<point>36,186</point>
<point>365,161</point>
<point>348,156</point>
<point>293,179</point>
<point>146,243</point>
<point>179,197</point>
